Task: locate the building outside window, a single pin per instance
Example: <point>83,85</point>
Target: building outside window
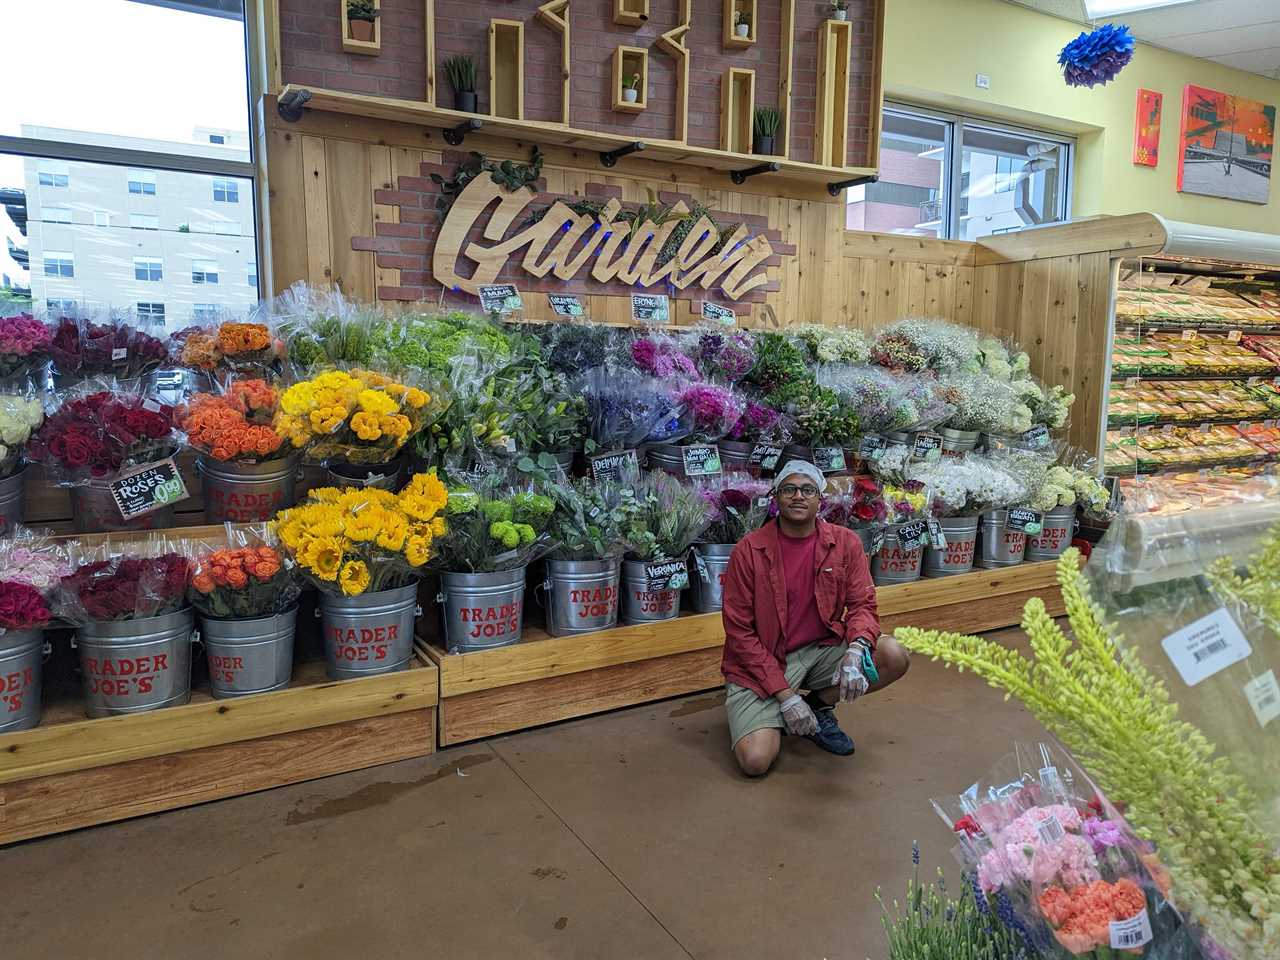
<point>253,274</point>
<point>101,218</point>
<point>150,269</point>
<point>142,182</point>
<point>149,310</point>
<point>59,264</point>
<point>54,173</point>
<point>143,221</point>
<point>204,271</point>
<point>204,312</point>
<point>58,306</point>
<point>225,191</point>
<point>953,177</point>
<point>56,215</point>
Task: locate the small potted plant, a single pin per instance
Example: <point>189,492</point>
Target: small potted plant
<point>742,24</point>
<point>360,17</point>
<point>631,88</point>
<point>462,77</point>
<point>840,9</point>
<point>765,126</point>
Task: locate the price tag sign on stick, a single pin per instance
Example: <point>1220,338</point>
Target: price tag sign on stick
<point>501,298</point>
<point>565,305</point>
<point>148,488</point>
<point>718,314</point>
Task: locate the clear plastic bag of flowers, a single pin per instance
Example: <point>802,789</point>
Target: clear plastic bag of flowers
<point>430,341</point>
<point>824,344</point>
<point>572,346</point>
<point>494,524</point>
<point>1050,405</point>
<point>247,347</point>
<point>547,414</point>
<point>861,507</point>
<point>925,402</point>
<point>352,416</point>
<point>737,504</point>
<point>469,430</point>
<point>242,574</point>
<point>916,343</point>
<point>102,428</point>
<point>714,410</point>
<point>1003,359</point>
<point>660,355</point>
<point>721,356</point>
<point>321,327</point>
<point>816,416</point>
<point>355,540</point>
<point>25,345</point>
<point>107,345</point>
<point>590,517</point>
<point>671,516</point>
<point>21,414</point>
<point>759,423</point>
<point>33,566</point>
<point>236,421</point>
<point>626,408</point>
<point>124,579</point>
<point>883,402</point>
<point>969,486</point>
<point>1074,481</point>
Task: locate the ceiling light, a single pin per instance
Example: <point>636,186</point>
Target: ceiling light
<point>1099,9</point>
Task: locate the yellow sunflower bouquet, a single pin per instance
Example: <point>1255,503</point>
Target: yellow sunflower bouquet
<point>357,416</point>
<point>357,540</point>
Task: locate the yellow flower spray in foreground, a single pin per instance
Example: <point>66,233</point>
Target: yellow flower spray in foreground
<point>1260,590</point>
<point>1121,726</point>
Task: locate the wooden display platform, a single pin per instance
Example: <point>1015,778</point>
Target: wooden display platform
<point>543,679</point>
<point>73,772</point>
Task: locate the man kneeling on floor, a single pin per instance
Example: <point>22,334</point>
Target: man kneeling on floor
<point>799,614</point>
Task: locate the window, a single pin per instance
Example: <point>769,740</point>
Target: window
<point>253,274</point>
<point>101,218</point>
<point>954,177</point>
<point>56,215</point>
<point>148,268</point>
<point>53,173</point>
<point>59,264</point>
<point>143,221</point>
<point>204,312</point>
<point>151,311</point>
<point>217,138</point>
<point>204,271</point>
<point>226,190</point>
<point>142,182</point>
<point>56,307</point>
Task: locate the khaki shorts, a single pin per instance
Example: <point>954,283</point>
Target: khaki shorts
<point>809,668</point>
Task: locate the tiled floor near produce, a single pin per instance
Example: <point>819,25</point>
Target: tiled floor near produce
<point>622,837</point>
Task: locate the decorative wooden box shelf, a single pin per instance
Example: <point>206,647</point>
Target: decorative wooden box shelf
<point>731,9</point>
<point>737,107</point>
<point>506,69</point>
<point>630,13</point>
<point>831,125</point>
<point>555,15</point>
<point>627,63</point>
<point>369,48</point>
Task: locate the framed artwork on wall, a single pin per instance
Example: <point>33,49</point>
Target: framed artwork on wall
<point>1225,145</point>
<point>1146,128</point>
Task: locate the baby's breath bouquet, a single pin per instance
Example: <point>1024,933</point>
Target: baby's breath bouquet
<point>833,344</point>
<point>916,344</point>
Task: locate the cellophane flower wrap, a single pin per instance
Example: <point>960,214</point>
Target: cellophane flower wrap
<point>494,525</point>
<point>590,519</point>
<point>573,346</point>
<point>432,341</point>
<point>236,425</point>
<point>242,575</point>
<point>833,344</point>
<point>21,414</point>
<point>322,328</point>
<point>32,568</point>
<point>816,416</point>
<point>546,414</point>
<point>24,346</point>
<point>1065,485</point>
<point>248,347</point>
<point>916,344</point>
<point>737,503</point>
<point>721,356</point>
<point>884,401</point>
<point>102,429</point>
<point>626,408</point>
<point>357,540</point>
<point>106,347</point>
<point>357,416</point>
<point>862,506</point>
<point>714,410</point>
<point>124,580</point>
<point>759,423</point>
<point>671,516</point>
<point>968,486</point>
<point>660,356</point>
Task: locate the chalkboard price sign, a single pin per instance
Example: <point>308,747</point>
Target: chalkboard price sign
<point>666,575</point>
<point>1024,520</point>
<point>500,298</point>
<point>148,488</point>
<point>701,460</point>
<point>620,466</point>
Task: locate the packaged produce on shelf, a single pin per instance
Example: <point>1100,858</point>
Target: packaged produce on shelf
<point>82,346</point>
<point>493,525</point>
<point>1179,447</point>
<point>244,574</point>
<point>25,345</point>
<point>1171,493</point>
<point>1190,308</point>
<point>1168,354</point>
<point>1191,401</point>
<point>1266,347</point>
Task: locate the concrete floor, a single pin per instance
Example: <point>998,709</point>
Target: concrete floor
<point>627,836</point>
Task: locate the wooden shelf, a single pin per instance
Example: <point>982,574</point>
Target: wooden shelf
<point>731,9</point>
<point>631,13</point>
<point>368,48</point>
<point>831,123</point>
<point>544,679</point>
<point>737,109</point>
<point>506,69</point>
<point>627,63</point>
<point>558,135</point>
<point>555,14</point>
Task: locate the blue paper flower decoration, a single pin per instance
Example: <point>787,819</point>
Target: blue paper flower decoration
<point>1094,58</point>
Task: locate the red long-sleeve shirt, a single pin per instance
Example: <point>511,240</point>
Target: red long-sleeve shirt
<point>755,603</point>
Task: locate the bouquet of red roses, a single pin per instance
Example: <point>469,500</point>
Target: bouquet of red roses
<point>99,431</point>
<point>244,575</point>
<point>862,506</point>
<point>24,345</point>
<point>81,347</point>
<point>32,567</point>
<point>124,581</point>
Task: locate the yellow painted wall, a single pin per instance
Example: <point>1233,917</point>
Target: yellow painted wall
<point>934,49</point>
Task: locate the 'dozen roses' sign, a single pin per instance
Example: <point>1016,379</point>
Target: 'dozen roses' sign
<point>564,243</point>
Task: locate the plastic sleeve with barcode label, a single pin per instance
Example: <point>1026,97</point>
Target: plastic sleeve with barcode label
<point>1131,933</point>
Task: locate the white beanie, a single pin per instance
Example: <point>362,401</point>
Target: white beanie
<point>803,467</point>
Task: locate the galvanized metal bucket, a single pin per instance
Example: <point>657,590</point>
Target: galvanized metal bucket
<point>249,656</point>
<point>667,457</point>
<point>958,555</point>
<point>247,492</point>
<point>582,595</point>
<point>866,536</point>
<point>368,634</point>
<point>384,476</point>
<point>894,563</point>
<point>482,610</point>
<point>131,666</point>
<point>901,437</point>
<point>795,451</point>
<point>706,581</point>
<point>1056,531</point>
<point>11,502</point>
<point>565,461</point>
<point>958,442</point>
<point>735,455</point>
<point>1000,547</point>
<point>94,510</point>
<point>21,670</point>
<point>639,603</point>
<point>997,441</point>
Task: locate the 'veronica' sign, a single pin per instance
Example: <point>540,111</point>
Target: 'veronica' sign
<point>564,244</point>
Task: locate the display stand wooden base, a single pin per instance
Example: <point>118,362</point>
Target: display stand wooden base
<point>72,772</point>
<point>543,679</point>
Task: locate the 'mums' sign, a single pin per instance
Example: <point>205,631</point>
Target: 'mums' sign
<point>566,244</point>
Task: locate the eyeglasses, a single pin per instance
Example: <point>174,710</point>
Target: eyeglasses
<point>808,491</point>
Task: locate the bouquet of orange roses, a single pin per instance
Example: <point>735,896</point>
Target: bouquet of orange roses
<point>244,576</point>
<point>233,345</point>
<point>236,424</point>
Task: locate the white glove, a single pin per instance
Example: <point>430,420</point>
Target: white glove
<point>798,717</point>
<point>849,677</point>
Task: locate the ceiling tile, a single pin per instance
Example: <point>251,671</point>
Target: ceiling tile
<point>1266,62</point>
<point>1200,15</point>
<point>1215,43</point>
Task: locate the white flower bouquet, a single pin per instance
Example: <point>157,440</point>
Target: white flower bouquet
<point>20,416</point>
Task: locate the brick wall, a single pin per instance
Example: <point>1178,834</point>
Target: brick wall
<point>311,49</point>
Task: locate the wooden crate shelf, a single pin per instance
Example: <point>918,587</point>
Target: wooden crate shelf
<point>368,48</point>
<point>73,772</point>
<point>629,62</point>
<point>506,69</point>
<point>555,15</point>
<point>732,9</point>
<point>544,679</point>
<point>831,123</point>
<point>737,109</point>
<point>631,13</point>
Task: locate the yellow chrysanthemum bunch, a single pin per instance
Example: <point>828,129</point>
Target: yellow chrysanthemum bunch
<point>354,539</point>
<point>358,416</point>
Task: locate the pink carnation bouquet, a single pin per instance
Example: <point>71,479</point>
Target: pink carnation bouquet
<point>31,568</point>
